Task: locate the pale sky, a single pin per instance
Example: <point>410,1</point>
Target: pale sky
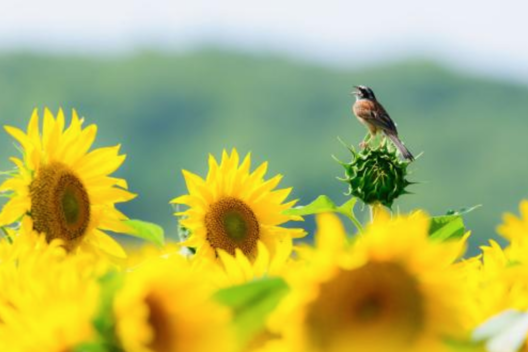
<point>485,36</point>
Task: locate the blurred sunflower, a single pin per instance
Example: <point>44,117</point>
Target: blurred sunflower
<point>238,269</point>
<point>165,306</point>
<point>497,282</point>
<point>234,208</point>
<point>48,300</point>
<point>269,345</point>
<point>498,275</point>
<point>391,290</point>
<point>515,229</point>
<point>64,188</point>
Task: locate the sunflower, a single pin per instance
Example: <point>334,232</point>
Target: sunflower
<point>238,269</point>
<point>514,228</point>
<point>390,290</point>
<point>48,299</point>
<point>497,282</point>
<point>499,275</point>
<point>233,208</point>
<point>165,306</point>
<point>64,188</point>
<point>269,344</point>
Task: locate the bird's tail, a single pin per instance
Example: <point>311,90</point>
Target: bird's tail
<point>401,147</point>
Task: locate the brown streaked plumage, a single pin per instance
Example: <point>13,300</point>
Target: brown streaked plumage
<point>374,116</point>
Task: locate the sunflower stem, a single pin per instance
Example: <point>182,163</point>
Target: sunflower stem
<point>6,234</point>
<point>355,221</point>
<point>371,212</point>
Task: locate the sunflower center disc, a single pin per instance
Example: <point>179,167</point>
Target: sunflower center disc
<point>60,206</point>
<point>159,321</point>
<point>231,224</point>
<point>235,226</point>
<point>361,305</point>
<point>70,206</point>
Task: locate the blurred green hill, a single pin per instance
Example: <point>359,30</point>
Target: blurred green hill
<point>169,111</point>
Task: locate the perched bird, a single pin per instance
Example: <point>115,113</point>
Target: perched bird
<point>372,114</point>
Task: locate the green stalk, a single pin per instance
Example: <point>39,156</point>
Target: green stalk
<point>355,221</point>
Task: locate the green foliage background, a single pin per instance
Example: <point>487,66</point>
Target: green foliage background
<point>169,111</point>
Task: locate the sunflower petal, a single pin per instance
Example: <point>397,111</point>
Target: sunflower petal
<point>13,210</point>
<point>106,243</point>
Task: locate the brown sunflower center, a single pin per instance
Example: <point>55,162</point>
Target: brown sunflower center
<point>231,224</point>
<point>160,322</point>
<point>377,303</point>
<point>60,206</point>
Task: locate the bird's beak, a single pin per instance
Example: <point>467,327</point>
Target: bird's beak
<point>355,92</point>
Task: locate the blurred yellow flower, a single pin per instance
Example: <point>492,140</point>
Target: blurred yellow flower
<point>497,282</point>
<point>234,208</point>
<point>498,277</point>
<point>48,300</point>
<point>165,306</point>
<point>64,188</point>
<point>515,229</point>
<point>268,345</point>
<point>238,269</point>
<point>390,290</point>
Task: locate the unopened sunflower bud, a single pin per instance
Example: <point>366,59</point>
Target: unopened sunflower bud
<point>376,175</point>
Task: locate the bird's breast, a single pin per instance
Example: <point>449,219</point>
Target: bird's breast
<point>363,109</point>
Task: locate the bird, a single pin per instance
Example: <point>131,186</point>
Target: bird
<point>374,116</point>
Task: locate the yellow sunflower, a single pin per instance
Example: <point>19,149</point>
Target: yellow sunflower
<point>392,290</point>
<point>499,274</point>
<point>64,188</point>
<point>238,269</point>
<point>268,344</point>
<point>515,229</point>
<point>48,300</point>
<point>233,208</point>
<point>497,282</point>
<point>499,288</point>
<point>165,306</point>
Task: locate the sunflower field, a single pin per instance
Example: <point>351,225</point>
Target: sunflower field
<point>243,277</point>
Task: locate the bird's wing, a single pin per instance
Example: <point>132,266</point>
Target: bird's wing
<point>382,120</point>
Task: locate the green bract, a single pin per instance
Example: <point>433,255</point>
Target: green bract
<point>376,175</point>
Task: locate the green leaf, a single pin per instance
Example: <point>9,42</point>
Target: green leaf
<point>104,321</point>
<point>465,345</point>
<point>447,227</point>
<point>463,211</point>
<point>90,347</point>
<point>147,231</point>
<point>347,208</point>
<point>251,304</point>
<point>450,226</point>
<point>323,204</point>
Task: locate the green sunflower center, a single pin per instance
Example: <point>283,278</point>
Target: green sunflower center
<point>71,205</point>
<point>360,305</point>
<point>231,224</point>
<point>60,206</point>
<point>235,226</point>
